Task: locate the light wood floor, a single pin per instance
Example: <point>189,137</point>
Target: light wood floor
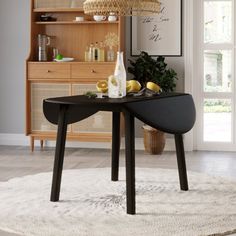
<point>19,161</point>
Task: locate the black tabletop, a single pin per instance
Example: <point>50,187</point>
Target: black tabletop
<point>169,112</point>
<point>85,100</point>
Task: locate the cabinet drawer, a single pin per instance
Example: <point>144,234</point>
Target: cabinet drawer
<point>49,71</point>
<point>97,71</point>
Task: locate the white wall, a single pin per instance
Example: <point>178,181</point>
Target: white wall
<point>14,44</point>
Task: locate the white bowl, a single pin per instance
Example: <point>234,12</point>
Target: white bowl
<point>99,18</point>
<point>65,59</point>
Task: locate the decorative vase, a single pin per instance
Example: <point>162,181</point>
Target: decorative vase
<point>154,140</point>
<point>120,73</point>
<point>110,54</point>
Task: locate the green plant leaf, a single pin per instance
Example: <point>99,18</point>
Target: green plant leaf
<point>146,69</point>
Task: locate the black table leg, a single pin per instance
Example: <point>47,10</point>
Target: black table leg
<point>130,163</point>
<point>59,154</point>
<point>115,146</point>
<point>181,162</point>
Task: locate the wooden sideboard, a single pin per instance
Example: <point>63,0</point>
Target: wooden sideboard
<point>53,79</point>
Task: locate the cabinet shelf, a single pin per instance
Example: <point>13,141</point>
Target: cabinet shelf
<point>79,9</point>
<point>74,22</point>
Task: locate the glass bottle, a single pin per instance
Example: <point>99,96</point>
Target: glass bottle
<point>114,87</point>
<point>120,73</point>
<point>86,54</point>
<point>96,52</point>
<point>110,54</point>
<point>90,54</point>
<point>102,52</point>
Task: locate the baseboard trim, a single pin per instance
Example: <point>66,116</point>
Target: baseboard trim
<point>14,140</point>
<point>22,140</point>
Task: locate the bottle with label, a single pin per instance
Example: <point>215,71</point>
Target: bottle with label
<point>90,53</point>
<point>114,87</point>
<point>120,73</point>
<point>96,52</point>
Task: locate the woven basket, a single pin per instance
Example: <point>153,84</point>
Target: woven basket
<point>154,140</point>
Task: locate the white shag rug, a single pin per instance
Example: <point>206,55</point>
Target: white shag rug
<point>92,205</point>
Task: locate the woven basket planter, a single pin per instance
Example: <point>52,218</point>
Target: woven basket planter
<point>154,140</point>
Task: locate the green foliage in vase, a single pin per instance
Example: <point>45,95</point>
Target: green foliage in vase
<point>145,69</point>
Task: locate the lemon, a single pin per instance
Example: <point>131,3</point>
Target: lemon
<point>128,86</point>
<point>133,86</point>
<point>154,87</point>
<point>102,86</point>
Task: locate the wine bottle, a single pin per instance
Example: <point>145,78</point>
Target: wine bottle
<point>96,52</point>
<point>120,73</point>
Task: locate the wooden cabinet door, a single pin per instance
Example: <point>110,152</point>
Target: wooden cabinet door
<point>101,122</point>
<point>39,92</point>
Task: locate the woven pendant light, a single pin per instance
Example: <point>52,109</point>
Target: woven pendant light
<point>148,7</point>
<point>121,7</point>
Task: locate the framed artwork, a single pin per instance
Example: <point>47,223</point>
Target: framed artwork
<point>159,35</point>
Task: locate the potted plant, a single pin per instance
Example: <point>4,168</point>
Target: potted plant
<point>146,69</point>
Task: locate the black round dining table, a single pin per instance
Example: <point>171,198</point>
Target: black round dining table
<point>173,113</point>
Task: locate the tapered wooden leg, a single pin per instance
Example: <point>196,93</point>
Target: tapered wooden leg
<point>130,163</point>
<point>181,162</point>
<point>59,155</point>
<point>32,143</point>
<point>41,144</point>
<point>115,146</point>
